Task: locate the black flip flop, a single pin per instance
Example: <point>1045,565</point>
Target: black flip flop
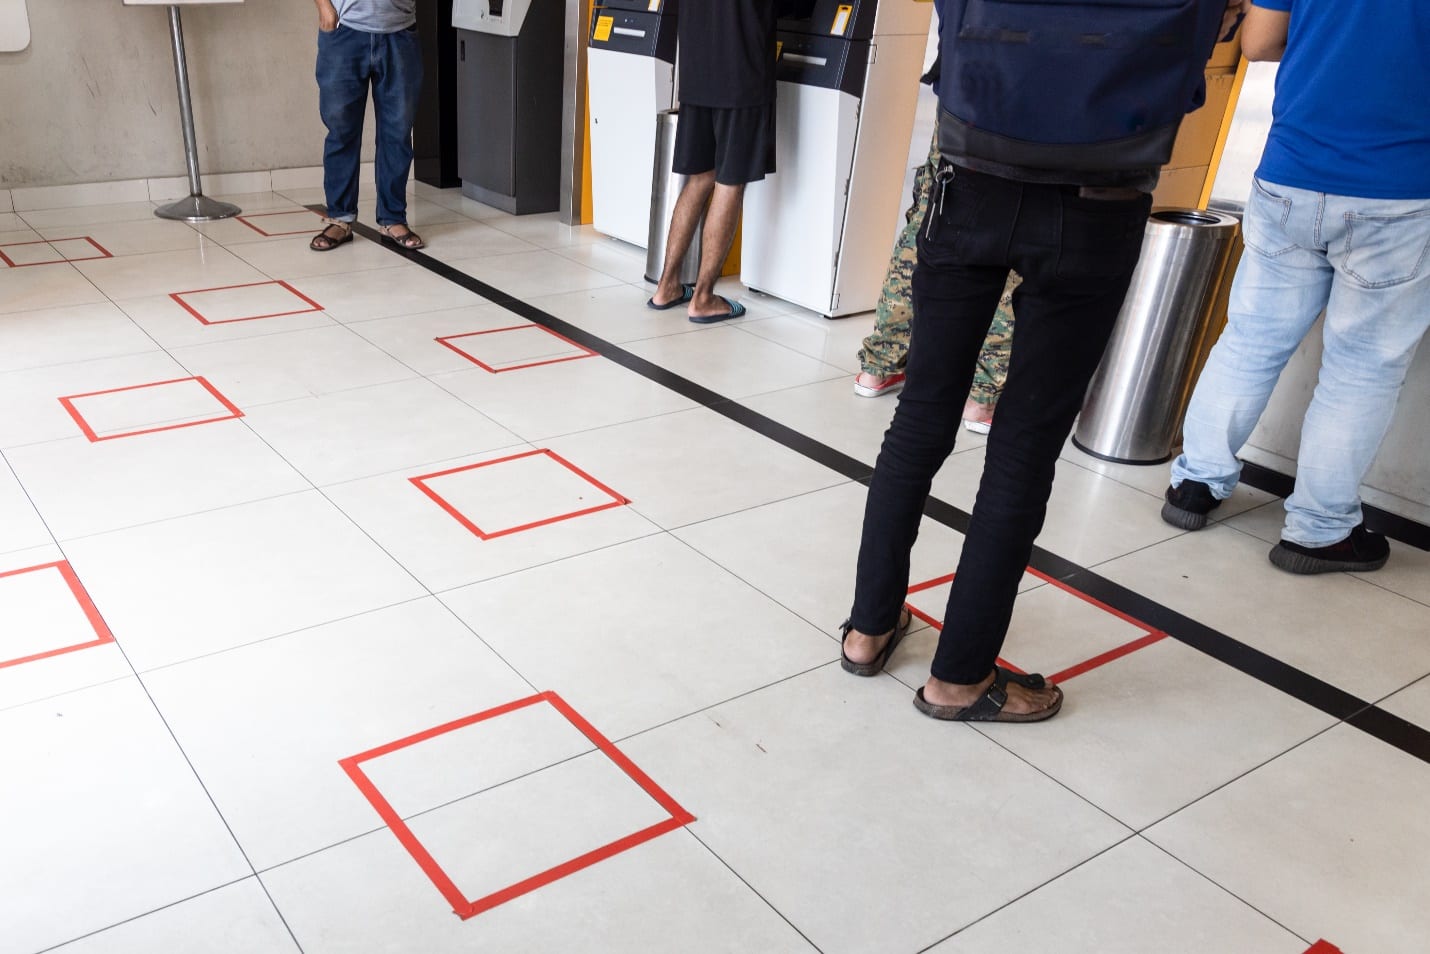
<point>737,310</point>
<point>989,706</point>
<point>687,292</point>
<point>877,664</point>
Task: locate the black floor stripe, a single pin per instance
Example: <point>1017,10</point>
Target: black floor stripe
<point>1406,736</point>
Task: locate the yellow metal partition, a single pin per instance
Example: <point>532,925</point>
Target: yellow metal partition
<point>1187,178</point>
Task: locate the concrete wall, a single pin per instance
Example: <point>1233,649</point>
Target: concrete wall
<point>93,98</point>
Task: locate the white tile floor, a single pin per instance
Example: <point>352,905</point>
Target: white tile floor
<point>199,624</point>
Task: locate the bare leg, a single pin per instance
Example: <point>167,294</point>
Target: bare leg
<point>720,224</point>
<point>694,196</point>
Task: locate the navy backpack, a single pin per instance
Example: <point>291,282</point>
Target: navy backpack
<point>1072,86</point>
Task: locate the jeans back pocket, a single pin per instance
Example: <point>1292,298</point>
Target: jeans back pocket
<point>1386,250</point>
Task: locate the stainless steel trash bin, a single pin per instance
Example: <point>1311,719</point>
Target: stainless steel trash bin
<point>1138,397</point>
<point>664,190</point>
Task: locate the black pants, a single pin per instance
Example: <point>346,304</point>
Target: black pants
<point>1076,256</point>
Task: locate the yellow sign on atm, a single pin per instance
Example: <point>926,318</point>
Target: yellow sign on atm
<point>654,6</point>
<point>603,28</point>
<point>841,19</point>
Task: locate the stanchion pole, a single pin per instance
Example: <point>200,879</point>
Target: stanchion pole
<point>195,207</point>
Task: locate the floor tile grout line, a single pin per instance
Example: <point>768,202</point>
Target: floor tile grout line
<point>185,516</point>
<point>1409,685</point>
<point>145,914</point>
<point>753,890</point>
<point>1129,836</point>
<point>1144,829</point>
<point>537,441</point>
<point>1386,589</point>
<point>749,583</point>
<point>275,636</point>
<point>1223,888</point>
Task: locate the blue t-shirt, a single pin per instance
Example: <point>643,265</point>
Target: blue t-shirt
<point>1352,109</point>
<point>377,16</point>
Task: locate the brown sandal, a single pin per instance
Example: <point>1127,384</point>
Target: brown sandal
<point>326,241</point>
<point>876,665</point>
<point>989,706</point>
<point>409,240</point>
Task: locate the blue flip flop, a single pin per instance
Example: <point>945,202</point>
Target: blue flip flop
<point>737,310</point>
<point>687,292</point>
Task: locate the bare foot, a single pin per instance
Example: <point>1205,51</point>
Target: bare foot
<point>666,295</point>
<point>1021,699</point>
<point>861,649</point>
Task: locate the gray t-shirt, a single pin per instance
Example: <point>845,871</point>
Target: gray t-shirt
<point>377,16</point>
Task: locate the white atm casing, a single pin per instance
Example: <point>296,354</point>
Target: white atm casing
<point>477,16</point>
<point>627,91</point>
<point>817,233</point>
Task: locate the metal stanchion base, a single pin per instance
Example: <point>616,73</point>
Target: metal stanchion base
<point>197,208</point>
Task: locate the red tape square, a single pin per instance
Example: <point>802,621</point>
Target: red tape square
<point>101,631</point>
<point>446,342</point>
<point>420,483</point>
<point>10,262</point>
<point>68,402</point>
<point>463,906</point>
<point>179,298</point>
<point>1087,665</point>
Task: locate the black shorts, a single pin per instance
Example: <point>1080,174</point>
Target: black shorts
<point>739,144</point>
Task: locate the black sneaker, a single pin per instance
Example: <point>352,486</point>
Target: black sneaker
<point>1361,552</point>
<point>1188,504</point>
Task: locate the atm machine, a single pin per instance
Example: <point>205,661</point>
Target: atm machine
<point>817,232</point>
<point>631,78</point>
<point>509,88</point>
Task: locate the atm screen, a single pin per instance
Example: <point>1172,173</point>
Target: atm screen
<point>797,9</point>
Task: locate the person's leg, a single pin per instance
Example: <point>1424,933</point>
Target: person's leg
<point>992,369</point>
<point>721,221</point>
<point>342,74</point>
<point>694,158</point>
<point>1067,306</point>
<point>684,221</point>
<point>955,290</point>
<point>1378,312</point>
<point>883,353</point>
<point>1280,287</point>
<point>397,85</point>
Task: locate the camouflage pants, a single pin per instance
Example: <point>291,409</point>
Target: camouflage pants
<point>886,350</point>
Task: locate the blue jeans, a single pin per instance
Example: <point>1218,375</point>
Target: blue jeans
<point>1366,262</point>
<point>1076,256</point>
<point>348,61</point>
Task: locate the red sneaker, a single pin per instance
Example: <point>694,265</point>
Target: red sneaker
<point>873,385</point>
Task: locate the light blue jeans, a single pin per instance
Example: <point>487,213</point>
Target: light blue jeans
<point>1366,262</point>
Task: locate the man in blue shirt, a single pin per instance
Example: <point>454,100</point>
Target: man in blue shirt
<point>1338,220</point>
<point>364,43</point>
